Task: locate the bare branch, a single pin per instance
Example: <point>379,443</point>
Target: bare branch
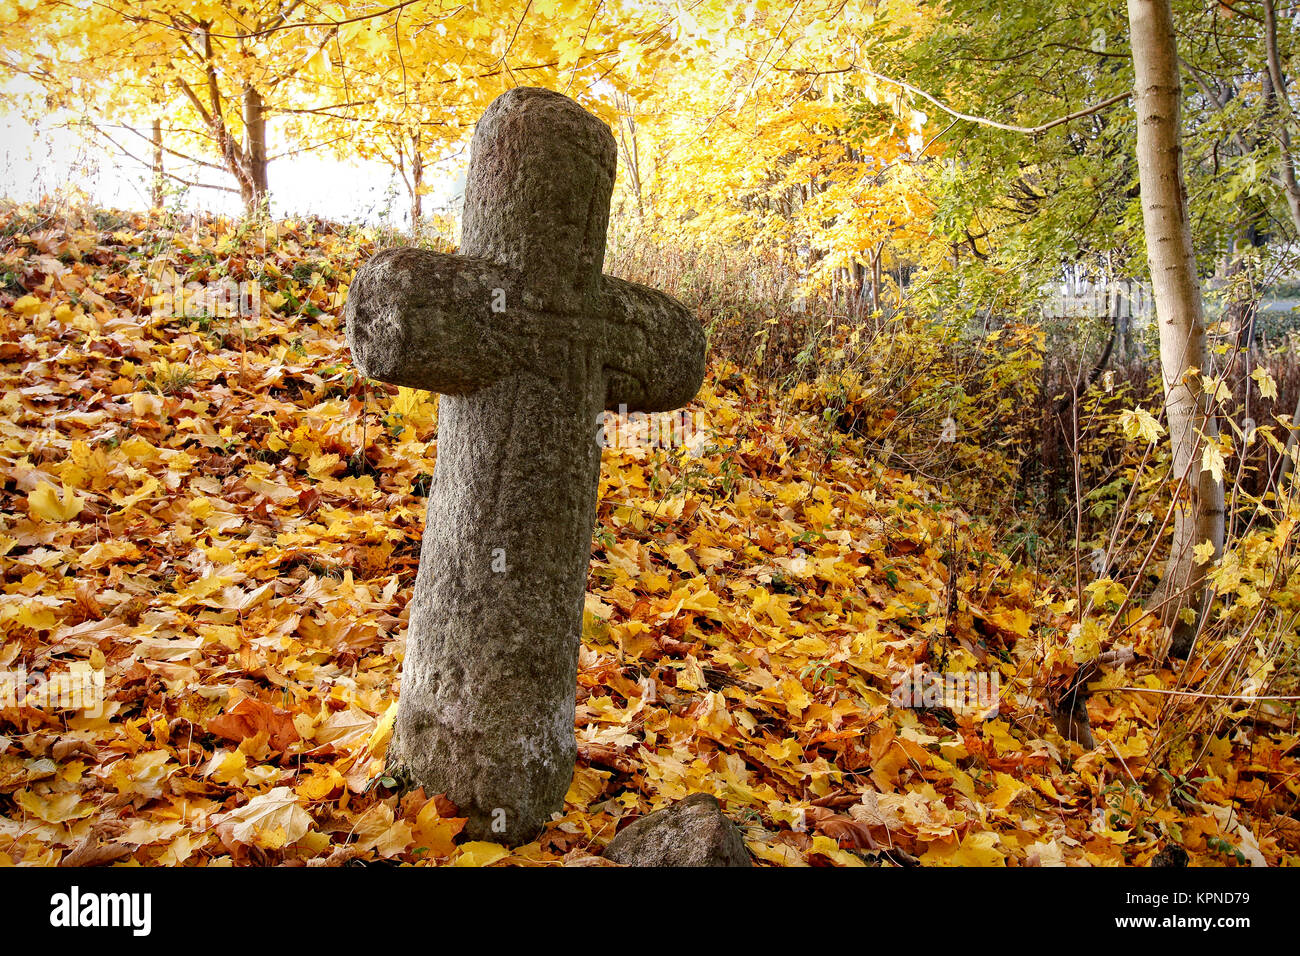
<point>984,121</point>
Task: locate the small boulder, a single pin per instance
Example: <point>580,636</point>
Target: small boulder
<point>1170,855</point>
<point>694,832</point>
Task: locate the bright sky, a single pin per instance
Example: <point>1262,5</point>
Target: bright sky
<point>49,160</point>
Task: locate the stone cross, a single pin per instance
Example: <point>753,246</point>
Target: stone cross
<point>529,343</point>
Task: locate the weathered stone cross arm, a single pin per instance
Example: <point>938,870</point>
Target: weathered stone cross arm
<point>454,324</point>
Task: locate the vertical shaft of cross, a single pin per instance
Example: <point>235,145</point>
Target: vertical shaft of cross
<point>499,597</point>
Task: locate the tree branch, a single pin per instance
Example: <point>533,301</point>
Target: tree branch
<point>1289,184</point>
<point>135,18</point>
<point>984,121</point>
<point>172,176</point>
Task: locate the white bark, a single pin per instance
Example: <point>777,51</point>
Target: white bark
<point>1198,508</point>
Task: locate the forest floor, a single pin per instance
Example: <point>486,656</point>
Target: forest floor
<point>218,520</point>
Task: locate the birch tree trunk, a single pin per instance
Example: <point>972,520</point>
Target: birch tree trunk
<point>417,185</point>
<point>1198,505</point>
<point>255,186</point>
<point>1288,460</point>
<point>1279,100</point>
<point>1290,187</point>
<point>156,197</point>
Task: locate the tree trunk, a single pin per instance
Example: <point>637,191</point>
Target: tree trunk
<point>1288,460</point>
<point>1278,99</point>
<point>631,157</point>
<point>1281,103</point>
<point>156,180</point>
<point>876,255</point>
<point>417,192</point>
<point>254,187</point>
<point>1198,507</point>
<point>417,184</point>
<point>247,163</point>
<point>858,274</point>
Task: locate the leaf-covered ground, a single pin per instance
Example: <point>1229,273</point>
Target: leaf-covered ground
<point>219,518</point>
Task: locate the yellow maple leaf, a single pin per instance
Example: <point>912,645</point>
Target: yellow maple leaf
<point>416,406</point>
<point>480,853</point>
<point>27,306</point>
<point>975,849</point>
<point>1138,422</point>
<point>56,808</point>
<point>587,784</point>
<point>272,820</point>
<point>45,503</point>
<point>320,781</point>
<point>433,834</point>
<point>181,849</point>
<point>322,466</point>
<point>825,846</point>
<point>1008,789</point>
<point>1267,387</point>
<point>1085,640</point>
<point>1212,461</point>
<point>227,767</point>
<point>779,854</point>
<point>1016,620</point>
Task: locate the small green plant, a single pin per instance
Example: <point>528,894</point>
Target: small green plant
<point>807,536</point>
<point>393,424</point>
<point>821,672</point>
<point>1122,801</point>
<point>1182,789</point>
<point>1220,845</point>
<point>171,377</point>
<point>780,584</point>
